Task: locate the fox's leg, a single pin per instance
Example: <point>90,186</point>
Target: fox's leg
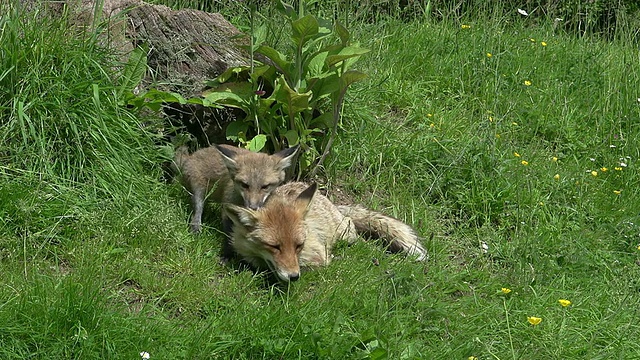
<point>227,249</point>
<point>197,201</point>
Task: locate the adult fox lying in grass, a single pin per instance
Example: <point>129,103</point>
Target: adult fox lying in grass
<point>240,176</point>
<point>298,228</point>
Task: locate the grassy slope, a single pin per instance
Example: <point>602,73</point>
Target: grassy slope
<point>433,133</point>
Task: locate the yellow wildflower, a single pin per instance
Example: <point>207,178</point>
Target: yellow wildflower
<point>638,247</point>
<point>532,40</point>
<point>432,125</point>
<point>594,173</point>
<point>556,177</point>
<point>464,26</point>
<point>554,159</point>
<point>490,118</point>
<point>564,302</point>
<point>497,136</point>
<point>505,290</point>
<point>617,192</point>
<point>617,168</point>
<point>541,203</point>
<point>489,55</point>
<point>472,358</point>
<point>543,43</point>
<point>527,83</point>
<point>524,162</point>
<point>534,320</point>
<point>516,154</point>
<point>429,115</point>
<point>603,169</point>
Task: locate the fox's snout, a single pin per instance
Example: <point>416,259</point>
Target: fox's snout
<point>254,202</point>
<point>288,276</point>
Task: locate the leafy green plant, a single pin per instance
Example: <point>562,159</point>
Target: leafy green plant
<point>292,98</point>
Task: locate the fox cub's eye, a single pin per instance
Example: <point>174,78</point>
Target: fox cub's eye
<point>299,247</point>
<point>268,186</point>
<point>244,185</point>
<point>275,247</point>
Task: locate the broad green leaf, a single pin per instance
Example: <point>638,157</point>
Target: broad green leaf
<point>315,66</point>
<point>294,101</point>
<point>346,53</point>
<point>278,59</point>
<point>236,130</point>
<point>349,77</point>
<point>286,9</point>
<point>322,87</point>
<point>343,33</point>
<point>292,137</point>
<point>324,121</point>
<point>304,29</point>
<point>257,143</point>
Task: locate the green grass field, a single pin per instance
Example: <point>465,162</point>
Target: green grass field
<point>509,145</point>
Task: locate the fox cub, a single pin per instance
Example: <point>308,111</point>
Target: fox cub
<point>237,176</point>
<point>298,228</point>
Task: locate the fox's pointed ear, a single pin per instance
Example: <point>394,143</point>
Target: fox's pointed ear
<point>286,156</point>
<point>304,199</point>
<point>228,154</point>
<point>242,216</point>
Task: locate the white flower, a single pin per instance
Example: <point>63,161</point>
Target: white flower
<point>523,12</point>
<point>485,247</point>
<point>558,19</point>
<point>145,355</point>
<point>612,146</point>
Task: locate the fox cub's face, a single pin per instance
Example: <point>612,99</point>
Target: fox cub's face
<point>273,235</point>
<point>256,175</point>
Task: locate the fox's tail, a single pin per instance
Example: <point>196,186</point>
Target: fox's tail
<point>399,236</point>
<point>179,159</point>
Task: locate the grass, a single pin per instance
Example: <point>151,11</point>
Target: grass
<point>97,261</point>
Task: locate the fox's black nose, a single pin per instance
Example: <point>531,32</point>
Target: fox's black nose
<point>294,277</point>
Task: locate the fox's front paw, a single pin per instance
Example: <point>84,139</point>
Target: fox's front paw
<point>196,228</point>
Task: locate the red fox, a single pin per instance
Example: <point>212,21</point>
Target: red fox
<point>240,176</point>
<point>298,228</point>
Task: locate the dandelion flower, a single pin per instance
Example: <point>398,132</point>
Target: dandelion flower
<point>603,169</point>
<point>556,177</point>
<point>594,173</point>
<point>534,320</point>
<point>464,26</point>
<point>524,162</point>
<point>505,290</point>
<point>145,355</point>
<point>617,192</point>
<point>516,154</point>
<point>543,43</point>
<point>554,159</point>
<point>527,83</point>
<point>564,302</point>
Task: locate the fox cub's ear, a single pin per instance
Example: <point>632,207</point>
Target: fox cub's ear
<point>303,201</point>
<point>242,216</point>
<point>228,154</point>
<point>286,156</point>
